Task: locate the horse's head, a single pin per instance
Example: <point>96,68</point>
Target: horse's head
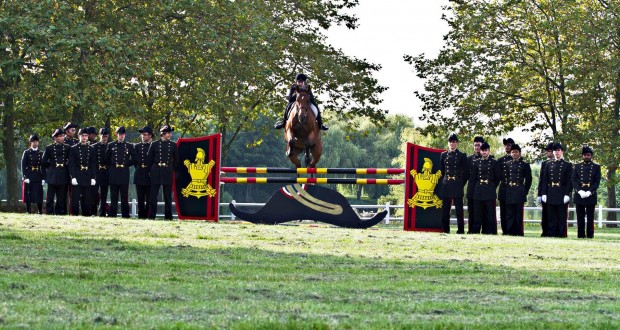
<point>303,103</point>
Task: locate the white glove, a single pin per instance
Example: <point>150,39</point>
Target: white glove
<point>43,182</point>
<point>587,194</point>
<point>93,182</point>
<point>544,198</point>
<point>27,181</point>
<point>74,181</point>
<point>539,200</point>
<point>566,199</point>
<point>582,193</point>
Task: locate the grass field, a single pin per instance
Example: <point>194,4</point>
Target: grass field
<point>61,272</point>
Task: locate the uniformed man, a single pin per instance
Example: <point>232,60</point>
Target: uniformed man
<point>142,175</point>
<point>102,181</point>
<point>508,142</point>
<point>478,140</point>
<point>556,190</point>
<point>586,178</point>
<point>70,139</point>
<point>33,175</point>
<point>485,177</point>
<point>453,165</point>
<point>518,180</point>
<point>162,161</point>
<point>543,221</point>
<point>92,135</point>
<point>82,164</point>
<point>55,158</point>
<point>119,157</point>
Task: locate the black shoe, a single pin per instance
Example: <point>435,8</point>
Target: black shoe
<point>460,232</point>
<point>279,124</point>
<point>324,127</point>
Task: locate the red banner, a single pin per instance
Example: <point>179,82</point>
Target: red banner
<point>422,184</point>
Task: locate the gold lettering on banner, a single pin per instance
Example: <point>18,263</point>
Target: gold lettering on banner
<point>426,181</point>
<point>199,172</point>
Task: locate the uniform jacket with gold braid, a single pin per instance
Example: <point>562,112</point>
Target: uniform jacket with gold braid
<point>82,164</point>
<point>119,157</point>
<point>163,160</point>
<point>557,181</point>
<point>501,195</point>
<point>453,166</point>
<point>485,177</point>
<point>517,180</point>
<point>55,159</point>
<point>586,177</point>
<point>32,168</point>
<point>142,174</point>
<point>101,165</point>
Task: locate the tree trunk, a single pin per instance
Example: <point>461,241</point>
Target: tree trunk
<point>8,144</point>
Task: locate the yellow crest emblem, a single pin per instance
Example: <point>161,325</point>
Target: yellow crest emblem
<point>199,171</point>
<point>426,181</point>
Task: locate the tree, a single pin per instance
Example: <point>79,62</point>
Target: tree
<point>542,66</point>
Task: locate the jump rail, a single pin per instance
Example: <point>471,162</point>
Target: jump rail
<point>319,170</point>
<point>313,180</point>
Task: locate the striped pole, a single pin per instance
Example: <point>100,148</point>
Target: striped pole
<point>312,180</point>
<point>312,170</point>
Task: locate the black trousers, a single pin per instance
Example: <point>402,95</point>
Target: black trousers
<point>471,216</point>
<point>103,200</point>
<point>445,214</point>
<point>582,228</point>
<point>514,219</point>
<point>39,208</point>
<point>502,215</point>
<point>143,193</point>
<point>556,220</point>
<point>485,217</point>
<point>167,192</point>
<point>81,195</point>
<point>115,189</point>
<point>56,201</point>
<point>544,221</point>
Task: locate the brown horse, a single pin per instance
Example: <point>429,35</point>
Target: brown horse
<point>302,133</point>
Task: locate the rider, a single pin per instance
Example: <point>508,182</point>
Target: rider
<point>300,81</point>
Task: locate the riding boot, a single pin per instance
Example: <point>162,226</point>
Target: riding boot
<point>319,121</point>
<point>280,123</point>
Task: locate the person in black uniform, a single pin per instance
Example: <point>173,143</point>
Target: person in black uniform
<point>82,164</point>
<point>142,175</point>
<point>471,217</point>
<point>33,175</point>
<point>119,157</point>
<point>556,190</point>
<point>543,221</point>
<point>69,130</point>
<point>585,178</point>
<point>102,181</point>
<point>502,189</point>
<point>92,135</point>
<point>453,165</point>
<point>162,159</point>
<point>485,177</point>
<point>518,180</point>
<point>55,158</point>
<point>300,81</point>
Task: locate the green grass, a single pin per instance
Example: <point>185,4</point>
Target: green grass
<point>61,272</point>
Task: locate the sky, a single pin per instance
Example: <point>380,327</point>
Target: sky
<point>388,30</point>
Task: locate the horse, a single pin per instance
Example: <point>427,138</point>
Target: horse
<point>302,133</point>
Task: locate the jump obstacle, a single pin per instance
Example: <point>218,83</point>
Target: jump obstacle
<point>300,199</point>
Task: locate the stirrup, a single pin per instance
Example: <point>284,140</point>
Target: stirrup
<point>324,127</point>
<point>279,124</point>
